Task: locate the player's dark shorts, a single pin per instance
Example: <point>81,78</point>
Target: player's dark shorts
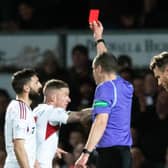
<point>114,157</point>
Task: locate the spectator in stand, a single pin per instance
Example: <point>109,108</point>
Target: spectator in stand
<point>79,72</point>
<point>124,61</point>
<point>153,14</point>
<point>152,140</point>
<point>86,94</point>
<point>76,137</point>
<point>161,105</point>
<point>127,73</point>
<point>28,18</point>
<point>146,91</point>
<point>151,90</point>
<point>4,101</point>
<point>139,91</point>
<point>49,67</point>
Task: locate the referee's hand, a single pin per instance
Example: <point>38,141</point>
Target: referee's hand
<point>81,162</point>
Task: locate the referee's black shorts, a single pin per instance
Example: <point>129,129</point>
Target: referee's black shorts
<point>114,157</point>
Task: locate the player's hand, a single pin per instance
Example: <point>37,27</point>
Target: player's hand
<point>36,165</point>
<point>60,152</point>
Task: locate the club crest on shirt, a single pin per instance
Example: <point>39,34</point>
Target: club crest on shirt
<point>27,129</point>
<point>33,130</point>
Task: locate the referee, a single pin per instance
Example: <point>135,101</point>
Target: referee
<point>110,132</point>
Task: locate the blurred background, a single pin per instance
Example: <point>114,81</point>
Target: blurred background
<point>53,37</point>
<point>62,14</point>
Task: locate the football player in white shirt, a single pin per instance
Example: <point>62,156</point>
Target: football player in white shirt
<point>49,116</point>
<point>20,128</point>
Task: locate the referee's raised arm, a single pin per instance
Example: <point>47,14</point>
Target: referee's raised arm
<point>97,29</point>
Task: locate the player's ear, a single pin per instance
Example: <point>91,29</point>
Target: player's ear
<point>166,69</point>
<point>54,97</point>
<point>99,68</point>
<point>26,88</point>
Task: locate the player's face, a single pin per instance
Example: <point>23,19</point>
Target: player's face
<point>162,77</point>
<point>62,98</point>
<point>35,86</point>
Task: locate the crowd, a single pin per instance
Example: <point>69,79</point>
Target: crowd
<point>60,14</point>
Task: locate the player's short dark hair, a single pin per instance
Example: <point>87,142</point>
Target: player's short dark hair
<point>81,48</point>
<point>107,61</point>
<point>55,84</point>
<point>160,61</point>
<point>20,78</point>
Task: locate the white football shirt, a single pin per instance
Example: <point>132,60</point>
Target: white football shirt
<point>48,121</point>
<point>19,124</point>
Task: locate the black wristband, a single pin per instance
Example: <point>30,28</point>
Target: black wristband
<point>86,151</point>
<point>100,40</point>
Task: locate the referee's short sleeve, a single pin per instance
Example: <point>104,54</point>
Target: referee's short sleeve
<point>104,98</point>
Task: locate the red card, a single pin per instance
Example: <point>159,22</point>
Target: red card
<point>93,15</point>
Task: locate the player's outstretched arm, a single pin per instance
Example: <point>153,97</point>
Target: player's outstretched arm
<point>80,116</point>
<point>97,29</point>
<point>36,165</point>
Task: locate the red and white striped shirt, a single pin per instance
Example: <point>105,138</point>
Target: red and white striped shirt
<point>19,124</point>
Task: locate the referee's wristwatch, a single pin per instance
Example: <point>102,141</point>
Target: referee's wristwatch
<point>86,151</point>
<point>99,40</point>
